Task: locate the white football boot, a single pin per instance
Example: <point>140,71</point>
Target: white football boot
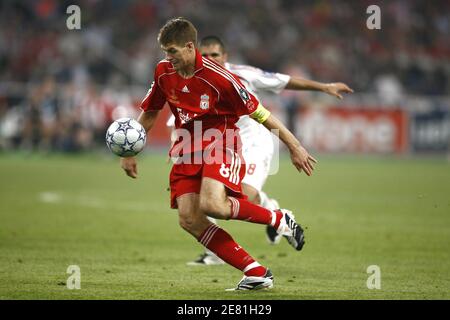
<point>255,283</point>
<point>292,231</point>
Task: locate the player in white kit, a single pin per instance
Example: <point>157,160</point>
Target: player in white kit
<point>257,143</point>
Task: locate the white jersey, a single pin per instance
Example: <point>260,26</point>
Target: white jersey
<point>257,143</point>
<point>256,81</point>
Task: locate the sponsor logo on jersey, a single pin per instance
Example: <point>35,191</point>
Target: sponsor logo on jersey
<point>204,101</point>
<point>185,89</point>
<point>185,116</point>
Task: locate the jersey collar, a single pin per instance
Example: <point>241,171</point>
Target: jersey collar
<point>198,61</point>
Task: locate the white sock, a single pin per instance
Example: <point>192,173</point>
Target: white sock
<point>212,220</point>
<point>266,202</point>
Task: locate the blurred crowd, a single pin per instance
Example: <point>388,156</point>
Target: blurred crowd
<point>60,88</point>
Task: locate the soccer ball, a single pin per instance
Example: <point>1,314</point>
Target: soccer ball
<point>126,137</point>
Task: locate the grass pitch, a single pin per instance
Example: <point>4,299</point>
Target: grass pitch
<point>57,211</point>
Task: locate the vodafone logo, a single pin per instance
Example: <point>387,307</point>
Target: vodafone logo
<point>339,130</point>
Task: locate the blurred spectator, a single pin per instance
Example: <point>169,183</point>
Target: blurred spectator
<point>116,47</point>
<point>328,38</point>
<point>389,89</point>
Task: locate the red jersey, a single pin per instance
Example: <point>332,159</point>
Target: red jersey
<point>212,95</point>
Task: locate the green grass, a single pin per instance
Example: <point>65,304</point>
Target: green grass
<point>57,211</point>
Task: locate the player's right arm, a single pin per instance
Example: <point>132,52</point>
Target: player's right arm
<point>147,119</point>
<point>151,105</point>
<point>276,82</point>
<point>129,164</point>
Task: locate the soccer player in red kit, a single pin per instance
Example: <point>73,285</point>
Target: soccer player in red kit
<point>205,180</point>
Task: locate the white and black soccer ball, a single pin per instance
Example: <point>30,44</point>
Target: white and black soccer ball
<point>126,137</point>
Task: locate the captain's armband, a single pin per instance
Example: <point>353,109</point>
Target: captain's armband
<point>261,114</point>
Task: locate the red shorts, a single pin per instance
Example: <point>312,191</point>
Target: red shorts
<point>187,178</point>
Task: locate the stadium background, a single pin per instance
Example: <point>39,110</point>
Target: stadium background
<point>380,195</point>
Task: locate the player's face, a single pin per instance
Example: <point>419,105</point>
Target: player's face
<point>179,56</point>
<point>214,52</point>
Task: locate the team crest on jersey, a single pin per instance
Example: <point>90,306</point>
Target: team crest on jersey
<point>204,101</point>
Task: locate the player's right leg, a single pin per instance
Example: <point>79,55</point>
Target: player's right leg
<point>207,258</point>
<point>221,243</point>
<point>190,218</point>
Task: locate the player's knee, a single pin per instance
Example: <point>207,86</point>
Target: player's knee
<point>188,223</point>
<point>213,208</point>
<point>185,217</point>
<point>193,224</point>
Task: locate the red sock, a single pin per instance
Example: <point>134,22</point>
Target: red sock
<point>222,244</point>
<point>245,210</point>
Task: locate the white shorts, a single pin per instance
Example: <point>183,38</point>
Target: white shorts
<point>258,157</point>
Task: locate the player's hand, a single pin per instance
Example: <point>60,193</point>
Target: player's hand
<point>302,160</point>
<point>129,165</point>
<point>334,89</point>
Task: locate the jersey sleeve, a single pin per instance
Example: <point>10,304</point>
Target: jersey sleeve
<point>261,80</point>
<point>155,98</point>
<point>242,101</point>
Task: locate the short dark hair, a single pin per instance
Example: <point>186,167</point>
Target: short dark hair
<point>212,40</point>
<point>177,31</point>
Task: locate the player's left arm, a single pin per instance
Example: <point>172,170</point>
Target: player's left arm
<point>300,157</point>
<point>334,89</point>
<point>246,103</point>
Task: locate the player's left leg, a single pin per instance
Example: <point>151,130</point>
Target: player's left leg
<point>215,202</point>
<point>223,174</point>
<point>260,197</point>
